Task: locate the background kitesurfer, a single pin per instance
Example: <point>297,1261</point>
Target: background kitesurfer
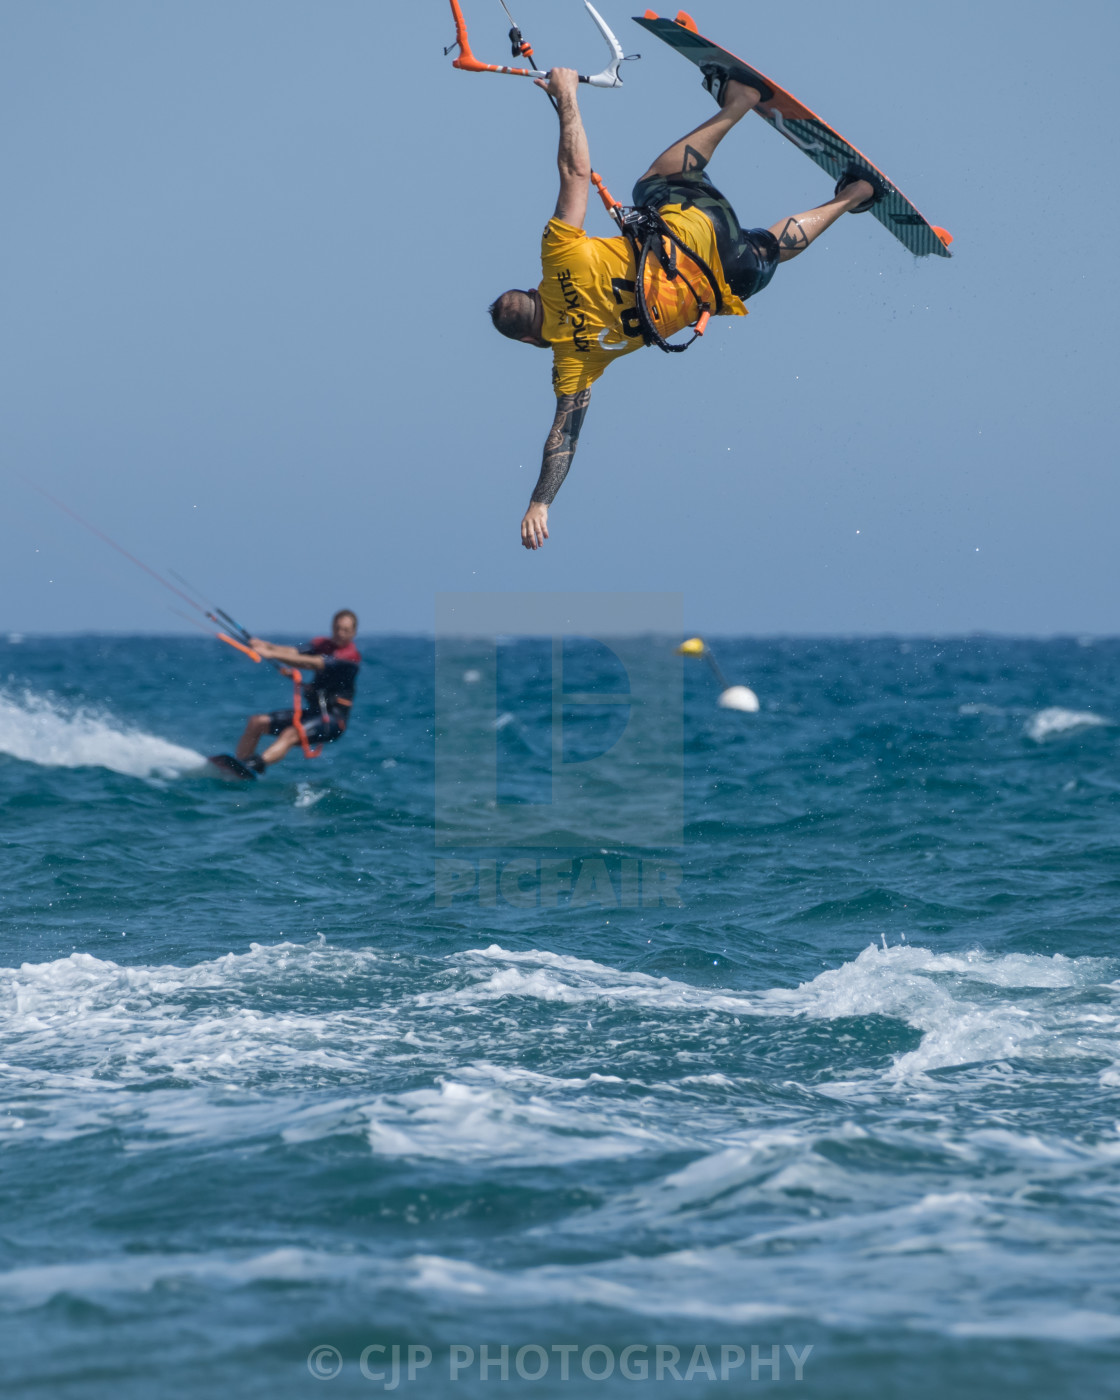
<point>331,666</point>
<point>584,309</point>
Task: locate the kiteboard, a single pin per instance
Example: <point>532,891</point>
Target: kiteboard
<point>788,117</point>
<point>231,767</point>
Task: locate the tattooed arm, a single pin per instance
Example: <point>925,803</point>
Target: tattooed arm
<point>560,445</point>
<point>559,449</point>
<point>573,157</point>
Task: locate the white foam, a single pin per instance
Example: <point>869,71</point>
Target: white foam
<point>1048,723</point>
<point>413,1059</point>
<point>1074,1325</point>
<point>140,1274</point>
<point>555,977</point>
<point>37,729</point>
<point>959,1001</point>
<point>640,1287</point>
<point>638,1290</point>
<point>307,796</point>
<point>80,1034</point>
<point>859,1264</point>
<point>465,1122</point>
<point>262,1043</point>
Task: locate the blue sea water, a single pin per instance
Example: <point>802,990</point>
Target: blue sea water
<point>266,1103</point>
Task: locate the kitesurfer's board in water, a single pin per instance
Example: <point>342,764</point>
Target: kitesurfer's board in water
<point>231,767</point>
<point>823,146</point>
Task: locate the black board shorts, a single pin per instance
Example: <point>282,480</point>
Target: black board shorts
<point>749,256</point>
<point>319,729</point>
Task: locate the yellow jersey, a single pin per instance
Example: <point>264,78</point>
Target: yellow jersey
<point>590,312</point>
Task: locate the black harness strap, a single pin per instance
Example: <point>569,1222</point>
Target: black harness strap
<point>647,233</point>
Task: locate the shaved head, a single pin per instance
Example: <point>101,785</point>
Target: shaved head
<point>514,314</point>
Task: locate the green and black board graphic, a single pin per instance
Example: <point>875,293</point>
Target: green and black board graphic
<point>823,146</point>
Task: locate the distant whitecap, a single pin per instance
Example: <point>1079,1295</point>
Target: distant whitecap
<point>1049,723</point>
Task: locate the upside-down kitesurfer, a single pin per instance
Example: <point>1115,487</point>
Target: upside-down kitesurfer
<point>328,693</point>
<point>585,309</point>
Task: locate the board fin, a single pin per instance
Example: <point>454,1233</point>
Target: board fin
<point>685,20</point>
<point>942,233</point>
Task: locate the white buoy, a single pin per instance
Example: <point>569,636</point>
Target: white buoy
<point>738,697</point>
<point>731,697</point>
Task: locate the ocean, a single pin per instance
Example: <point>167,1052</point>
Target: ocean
<point>294,1101</point>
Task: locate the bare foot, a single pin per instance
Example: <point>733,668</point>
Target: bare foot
<point>858,192</point>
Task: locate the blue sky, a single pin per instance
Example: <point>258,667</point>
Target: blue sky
<point>248,251</point>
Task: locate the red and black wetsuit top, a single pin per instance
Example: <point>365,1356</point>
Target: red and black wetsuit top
<point>333,686</point>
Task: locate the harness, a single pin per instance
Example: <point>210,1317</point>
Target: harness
<point>324,711</point>
<point>647,232</point>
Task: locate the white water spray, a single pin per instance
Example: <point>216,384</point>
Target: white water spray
<point>38,730</point>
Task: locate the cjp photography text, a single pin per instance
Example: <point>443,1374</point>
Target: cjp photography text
<point>390,1366</point>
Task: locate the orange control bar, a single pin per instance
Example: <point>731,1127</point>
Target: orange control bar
<point>470,64</point>
<point>249,652</point>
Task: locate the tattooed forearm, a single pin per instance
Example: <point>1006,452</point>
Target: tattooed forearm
<point>693,160</point>
<point>793,236</point>
<point>560,445</point>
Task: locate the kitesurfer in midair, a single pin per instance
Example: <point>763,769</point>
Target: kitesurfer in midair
<point>331,664</point>
<point>585,309</point>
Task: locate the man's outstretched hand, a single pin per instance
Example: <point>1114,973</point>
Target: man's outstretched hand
<point>534,525</point>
